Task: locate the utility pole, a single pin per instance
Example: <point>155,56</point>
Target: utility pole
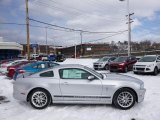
<point>75,51</point>
<point>46,41</point>
<point>27,27</point>
<point>129,26</point>
<point>81,49</point>
<point>129,33</point>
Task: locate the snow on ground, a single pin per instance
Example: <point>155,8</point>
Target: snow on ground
<point>149,109</point>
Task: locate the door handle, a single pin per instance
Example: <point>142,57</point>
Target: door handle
<point>66,83</point>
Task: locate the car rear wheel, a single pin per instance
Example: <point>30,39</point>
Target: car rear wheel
<point>124,99</point>
<point>39,99</point>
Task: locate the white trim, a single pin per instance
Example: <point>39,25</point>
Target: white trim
<point>10,46</point>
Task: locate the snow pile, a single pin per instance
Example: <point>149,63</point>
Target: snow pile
<point>85,61</point>
<point>149,109</point>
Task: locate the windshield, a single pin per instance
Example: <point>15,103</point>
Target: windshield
<point>120,59</point>
<point>148,59</point>
<point>103,59</point>
<point>94,72</point>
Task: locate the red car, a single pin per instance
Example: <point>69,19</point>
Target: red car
<point>11,69</point>
<point>123,64</point>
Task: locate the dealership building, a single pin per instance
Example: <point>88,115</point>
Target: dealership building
<point>9,50</point>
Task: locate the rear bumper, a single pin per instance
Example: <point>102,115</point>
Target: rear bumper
<point>141,94</point>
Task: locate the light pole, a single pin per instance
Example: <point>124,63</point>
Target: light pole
<point>129,27</point>
<point>46,41</point>
<point>27,28</point>
<point>81,49</point>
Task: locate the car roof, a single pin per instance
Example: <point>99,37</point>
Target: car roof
<point>152,55</point>
<point>69,65</point>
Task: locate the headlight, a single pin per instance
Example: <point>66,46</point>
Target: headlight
<point>150,65</point>
<point>121,64</point>
<point>142,86</point>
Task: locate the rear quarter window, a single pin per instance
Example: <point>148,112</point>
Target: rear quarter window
<point>47,74</point>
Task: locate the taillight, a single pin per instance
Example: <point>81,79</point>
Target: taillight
<point>22,71</point>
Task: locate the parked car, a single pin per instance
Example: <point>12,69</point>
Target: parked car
<point>123,64</point>
<point>42,57</point>
<point>11,69</point>
<point>60,58</point>
<point>34,67</point>
<point>52,57</point>
<point>3,67</point>
<point>103,63</point>
<point>147,64</point>
<point>78,84</point>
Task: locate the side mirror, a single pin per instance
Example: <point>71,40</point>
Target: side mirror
<point>157,60</point>
<point>127,60</point>
<point>91,77</point>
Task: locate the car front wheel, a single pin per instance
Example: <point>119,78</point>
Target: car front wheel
<point>155,71</point>
<point>106,67</point>
<point>124,99</point>
<point>126,69</point>
<point>39,99</point>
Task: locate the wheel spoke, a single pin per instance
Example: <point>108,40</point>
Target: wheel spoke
<point>39,99</point>
<point>125,99</point>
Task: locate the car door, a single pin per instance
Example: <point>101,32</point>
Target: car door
<point>75,85</point>
<point>131,62</point>
<point>158,62</point>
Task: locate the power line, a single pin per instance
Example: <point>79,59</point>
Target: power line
<point>37,26</point>
<point>22,24</point>
<point>71,29</point>
<point>108,36</point>
<point>66,10</point>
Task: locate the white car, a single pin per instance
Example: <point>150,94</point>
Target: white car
<point>147,64</point>
<point>3,67</point>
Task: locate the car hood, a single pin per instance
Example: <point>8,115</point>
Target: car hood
<point>100,62</point>
<point>120,77</point>
<point>116,63</point>
<point>144,63</point>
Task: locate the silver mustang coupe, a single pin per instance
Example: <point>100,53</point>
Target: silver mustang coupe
<point>77,84</point>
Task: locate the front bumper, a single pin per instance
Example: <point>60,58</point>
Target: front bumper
<point>143,69</point>
<point>141,94</point>
<point>117,68</point>
<point>98,66</point>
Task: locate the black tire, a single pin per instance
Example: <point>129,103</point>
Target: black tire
<point>124,101</point>
<point>155,71</point>
<point>106,67</point>
<point>135,72</point>
<point>43,100</point>
<point>125,69</point>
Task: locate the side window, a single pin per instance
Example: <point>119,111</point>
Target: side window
<point>43,65</point>
<point>47,74</point>
<point>133,58</point>
<point>35,66</point>
<point>52,64</point>
<point>158,58</point>
<point>73,73</point>
<point>112,58</point>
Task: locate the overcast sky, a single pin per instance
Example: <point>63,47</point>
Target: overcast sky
<point>90,15</point>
